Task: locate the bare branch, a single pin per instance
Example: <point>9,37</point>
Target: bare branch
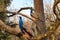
<point>25,8</point>
<point>31,18</point>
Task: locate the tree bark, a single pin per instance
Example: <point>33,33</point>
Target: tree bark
<point>39,11</point>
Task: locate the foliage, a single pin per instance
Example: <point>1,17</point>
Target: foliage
<point>5,2</point>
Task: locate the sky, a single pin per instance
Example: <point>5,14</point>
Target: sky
<point>16,4</point>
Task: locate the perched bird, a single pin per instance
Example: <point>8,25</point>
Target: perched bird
<point>21,25</point>
<point>31,12</point>
<point>23,30</point>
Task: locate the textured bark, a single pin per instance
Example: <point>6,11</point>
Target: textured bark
<point>8,29</point>
<point>40,14</point>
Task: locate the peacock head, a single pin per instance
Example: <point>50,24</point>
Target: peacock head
<point>20,17</point>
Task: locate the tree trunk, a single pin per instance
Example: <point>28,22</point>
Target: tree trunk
<point>39,11</point>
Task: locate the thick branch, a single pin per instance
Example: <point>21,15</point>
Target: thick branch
<point>8,28</point>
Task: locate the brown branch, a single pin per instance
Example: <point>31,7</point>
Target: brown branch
<point>57,21</point>
<point>7,28</point>
<point>54,7</point>
<point>31,18</point>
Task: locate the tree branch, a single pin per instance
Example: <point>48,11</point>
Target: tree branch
<point>7,28</point>
<point>57,21</point>
<point>31,18</point>
<point>25,8</point>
